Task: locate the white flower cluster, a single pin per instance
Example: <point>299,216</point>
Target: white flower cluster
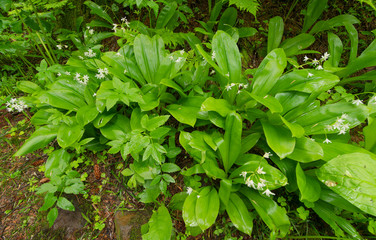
<point>91,31</point>
<point>101,73</point>
<point>16,105</point>
<point>318,63</point>
<point>83,80</point>
<point>90,53</point>
<point>240,86</point>
<point>60,47</point>
<point>125,21</point>
<point>255,181</point>
<point>179,59</point>
<point>340,125</point>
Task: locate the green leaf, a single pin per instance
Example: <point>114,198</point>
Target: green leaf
<point>333,22</point>
<point>293,46</point>
<point>160,225</point>
<point>170,167</point>
<point>370,136</point>
<point>221,106</point>
<point>231,145</point>
<point>275,33</point>
<point>274,216</point>
<point>279,139</point>
<point>335,49</point>
<point>249,142</point>
<point>239,215</point>
<point>296,129</point>
<point>267,74</point>
<point>86,114</point>
<point>184,114</point>
<point>352,177</point>
<point>40,138</point>
<point>207,208</point>
<point>353,35</point>
<point>69,134</point>
<point>268,101</point>
<point>189,210</point>
<point>5,5</point>
<point>309,187</point>
<point>57,162</point>
<point>65,204</point>
<point>51,216</point>
<point>96,9</point>
<point>306,150</point>
<point>28,87</point>
<point>335,149</point>
<point>177,201</point>
<point>49,201</point>
<point>153,123</point>
<point>314,11</point>
<point>165,15</point>
<point>225,191</point>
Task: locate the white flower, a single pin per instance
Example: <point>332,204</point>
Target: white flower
<point>250,183</point>
<point>267,192</point>
<point>95,94</point>
<point>115,27</point>
<point>227,74</point>
<point>213,55</point>
<point>305,59</point>
<point>124,19</point>
<point>310,74</point>
<point>100,75</point>
<point>118,54</point>
<point>262,180</point>
<point>198,196</point>
<point>344,116</point>
<point>91,31</point>
<point>182,52</point>
<point>228,87</point>
<point>16,104</point>
<point>58,74</point>
<point>244,174</point>
<point>267,155</point>
<point>189,190</point>
<point>319,67</point>
<point>81,57</point>
<point>105,70</point>
<point>342,131</point>
<point>125,71</point>
<point>85,78</point>
<point>260,185</point>
<point>315,62</point>
<point>77,76</point>
<point>329,127</point>
<point>66,46</point>
<point>246,85</point>
<point>171,58</point>
<point>260,171</point>
<point>59,46</point>
<point>357,102</point>
<point>212,72</point>
<point>90,53</point>
<point>327,141</point>
<point>179,59</point>
<point>67,73</point>
<point>325,56</point>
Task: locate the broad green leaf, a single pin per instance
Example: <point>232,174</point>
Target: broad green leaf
<point>274,216</point>
<point>308,186</point>
<point>28,87</point>
<point>314,11</point>
<point>231,145</point>
<point>51,216</point>
<point>65,204</point>
<point>170,167</point>
<point>189,210</point>
<point>290,100</point>
<point>268,101</point>
<point>186,111</point>
<point>225,191</point>
<point>267,74</point>
<point>293,46</point>
<point>306,150</point>
<point>207,207</point>
<point>57,162</point>
<point>102,119</point>
<point>160,225</point>
<point>300,80</point>
<point>47,187</point>
<point>279,139</point>
<point>118,127</point>
<point>275,33</point>
<point>370,137</point>
<point>327,195</point>
<point>220,106</point>
<point>296,129</point>
<point>335,149</point>
<point>40,138</point>
<point>317,120</point>
<point>227,56</point>
<point>352,177</point>
<point>212,170</point>
<point>148,52</point>
<point>335,49</point>
<point>353,35</point>
<point>333,22</point>
<point>86,114</point>
<point>64,99</point>
<point>228,19</point>
<point>96,9</point>
<point>153,122</point>
<point>67,135</point>
<point>166,14</point>
<point>177,201</point>
<point>239,215</point>
<point>49,201</point>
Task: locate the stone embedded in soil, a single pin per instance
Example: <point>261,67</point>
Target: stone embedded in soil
<point>128,223</point>
<point>70,222</point>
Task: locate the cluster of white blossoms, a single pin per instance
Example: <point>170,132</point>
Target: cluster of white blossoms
<point>60,47</point>
<point>317,63</point>
<point>239,86</point>
<point>124,21</point>
<point>101,73</point>
<point>90,53</point>
<point>16,105</point>
<point>341,126</point>
<point>83,80</point>
<point>190,190</point>
<point>213,55</point>
<point>255,180</point>
<point>91,31</point>
<point>179,59</point>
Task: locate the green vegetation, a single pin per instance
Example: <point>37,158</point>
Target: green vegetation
<point>253,150</point>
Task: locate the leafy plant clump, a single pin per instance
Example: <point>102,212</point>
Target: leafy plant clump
<point>251,135</point>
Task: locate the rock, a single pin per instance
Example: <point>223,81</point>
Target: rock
<point>69,221</point>
<point>128,223</point>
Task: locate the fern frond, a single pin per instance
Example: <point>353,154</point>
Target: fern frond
<point>170,38</point>
<point>126,36</point>
<point>250,6</point>
<point>56,5</point>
